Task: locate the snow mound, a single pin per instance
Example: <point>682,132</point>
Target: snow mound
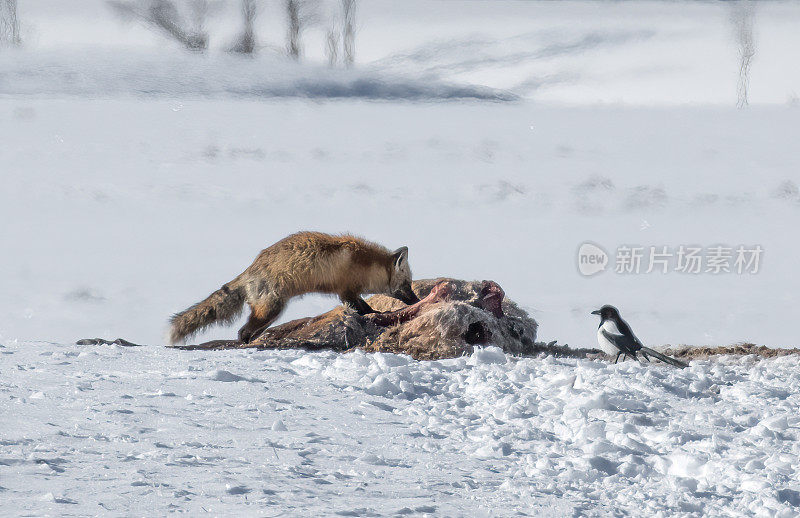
<point>487,355</point>
<point>225,376</point>
<point>108,75</point>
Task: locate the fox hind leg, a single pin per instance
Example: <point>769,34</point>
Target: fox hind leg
<point>262,314</point>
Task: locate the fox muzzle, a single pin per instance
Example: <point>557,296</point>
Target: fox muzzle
<point>406,294</point>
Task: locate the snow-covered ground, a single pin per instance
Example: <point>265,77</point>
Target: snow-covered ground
<point>493,139</point>
<point>146,431</point>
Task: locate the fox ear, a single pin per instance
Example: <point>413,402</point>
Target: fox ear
<point>400,256</point>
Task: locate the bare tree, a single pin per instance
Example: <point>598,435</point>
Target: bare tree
<point>349,31</point>
<point>332,45</point>
<point>198,12</point>
<point>246,43</point>
<point>742,18</point>
<point>166,17</point>
<point>300,14</point>
<point>293,29</point>
<point>9,23</point>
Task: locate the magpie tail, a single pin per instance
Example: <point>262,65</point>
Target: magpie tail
<point>646,351</point>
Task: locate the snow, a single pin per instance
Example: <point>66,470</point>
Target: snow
<point>269,432</point>
<point>491,138</point>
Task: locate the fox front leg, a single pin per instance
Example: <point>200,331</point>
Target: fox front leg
<point>357,303</point>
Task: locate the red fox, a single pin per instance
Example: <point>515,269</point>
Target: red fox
<point>306,262</point>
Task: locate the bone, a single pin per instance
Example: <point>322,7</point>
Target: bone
<point>439,293</point>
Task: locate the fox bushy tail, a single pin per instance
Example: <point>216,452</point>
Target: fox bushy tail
<point>224,306</point>
<point>646,351</point>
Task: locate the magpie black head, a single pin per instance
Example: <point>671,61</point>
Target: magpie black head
<point>607,312</point>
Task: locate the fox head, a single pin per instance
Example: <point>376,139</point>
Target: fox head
<point>400,278</point>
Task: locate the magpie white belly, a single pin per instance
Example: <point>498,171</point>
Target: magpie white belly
<point>605,344</point>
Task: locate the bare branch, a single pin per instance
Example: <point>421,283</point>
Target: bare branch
<point>165,16</point>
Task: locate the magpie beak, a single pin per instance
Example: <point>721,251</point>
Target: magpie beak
<point>596,312</point>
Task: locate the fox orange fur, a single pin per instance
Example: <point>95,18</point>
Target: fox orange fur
<point>306,262</point>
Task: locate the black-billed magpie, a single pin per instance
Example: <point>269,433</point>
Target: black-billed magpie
<point>615,336</point>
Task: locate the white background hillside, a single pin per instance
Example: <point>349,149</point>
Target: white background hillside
<point>491,138</point>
